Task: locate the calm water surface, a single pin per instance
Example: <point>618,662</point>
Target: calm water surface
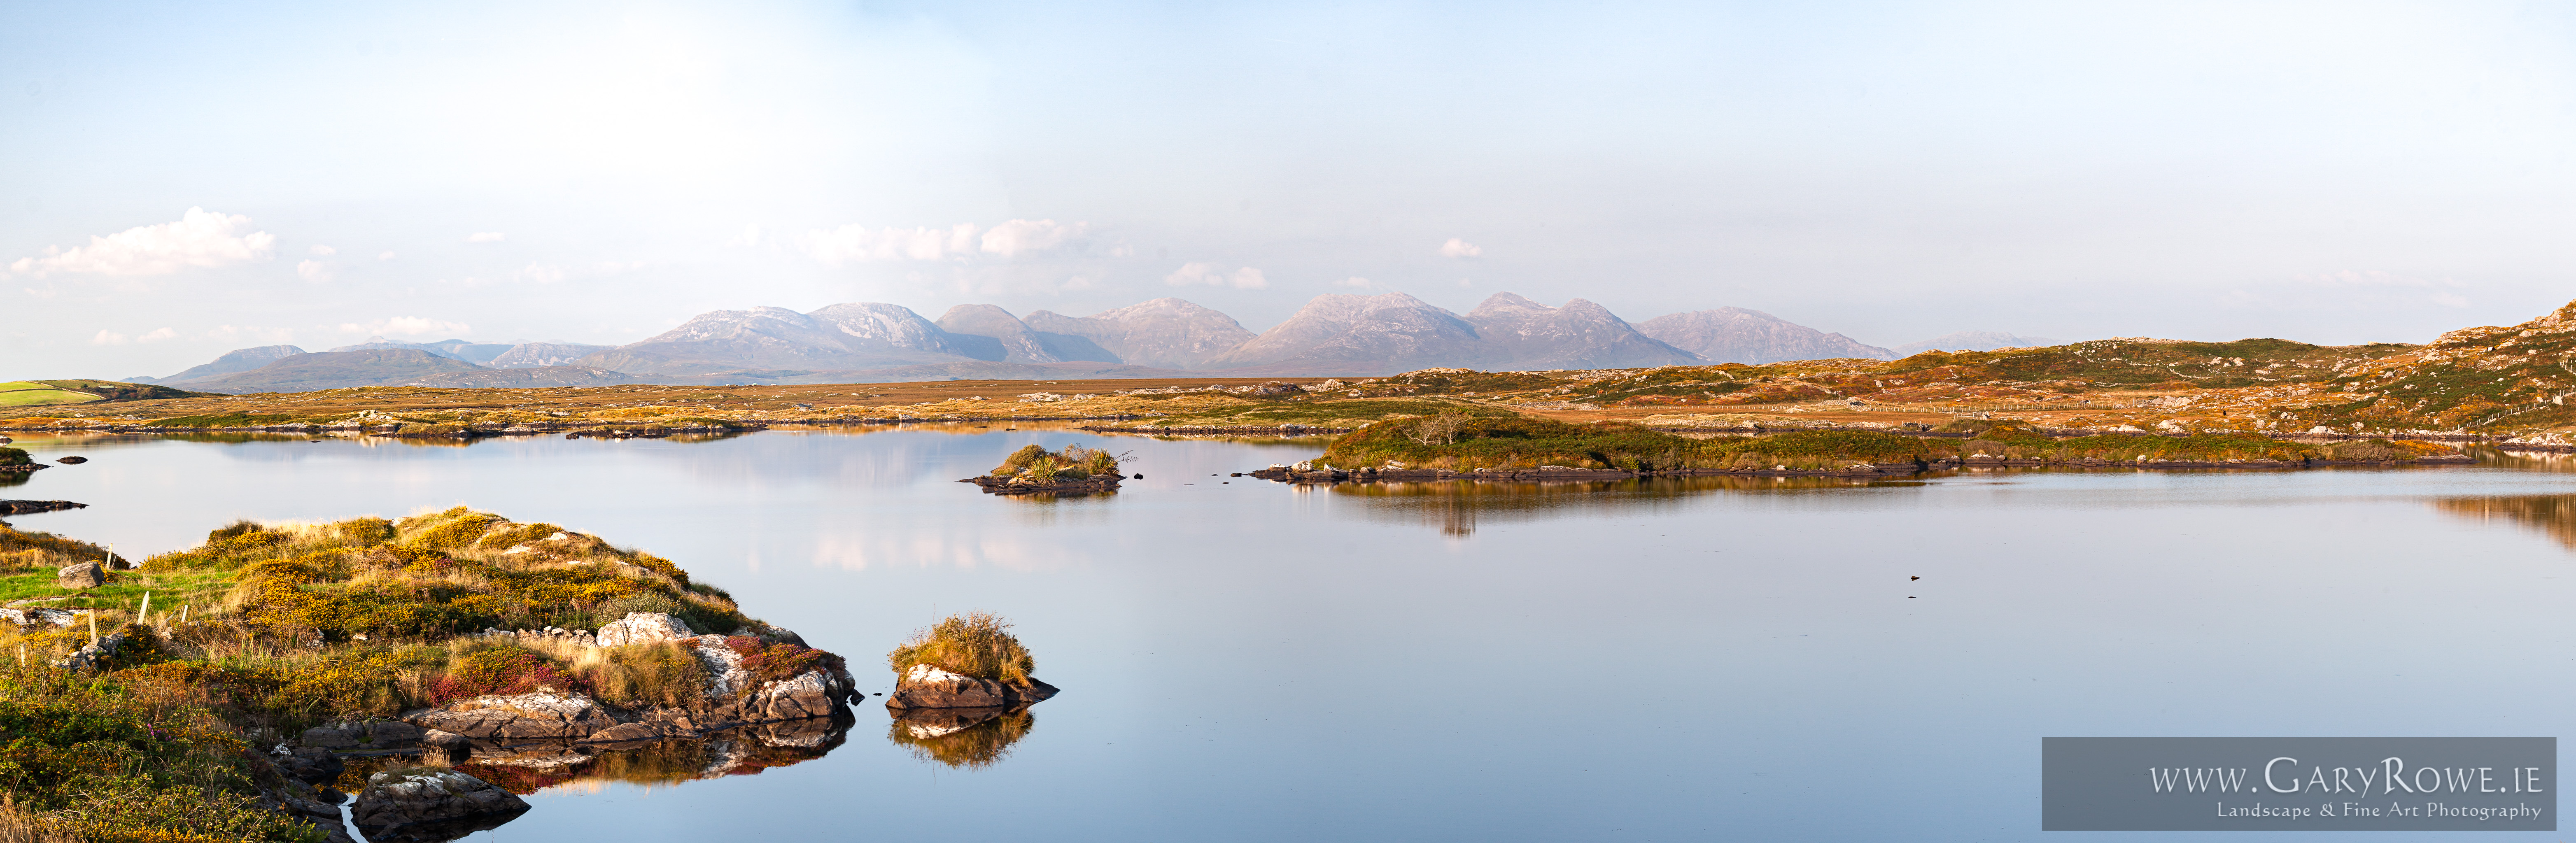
<point>1649,661</point>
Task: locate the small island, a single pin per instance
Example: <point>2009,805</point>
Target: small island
<point>962,691</point>
<point>1499,447</point>
<point>1034,470</point>
<point>436,666</point>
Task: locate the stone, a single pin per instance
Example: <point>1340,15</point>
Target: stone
<point>643,627</point>
<point>421,803</point>
<point>925,686</point>
<point>72,460</point>
<point>624,732</point>
<point>83,575</point>
<point>533,715</point>
<point>29,617</point>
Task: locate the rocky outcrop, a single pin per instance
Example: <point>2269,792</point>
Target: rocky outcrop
<point>83,575</point>
<point>32,616</point>
<point>643,627</point>
<point>1026,486</point>
<point>421,803</point>
<point>925,686</point>
<point>32,507</point>
<point>535,715</point>
<point>735,696</point>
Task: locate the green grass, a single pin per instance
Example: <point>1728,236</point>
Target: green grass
<point>37,394</point>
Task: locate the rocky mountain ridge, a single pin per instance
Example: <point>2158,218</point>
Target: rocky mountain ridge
<point>859,342</point>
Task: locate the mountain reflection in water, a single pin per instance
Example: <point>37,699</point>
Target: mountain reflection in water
<point>968,738</point>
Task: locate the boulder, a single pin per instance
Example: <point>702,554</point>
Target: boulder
<point>422,803</point>
<point>534,715</point>
<point>925,686</point>
<point>30,617</point>
<point>72,460</point>
<point>642,627</point>
<point>83,575</point>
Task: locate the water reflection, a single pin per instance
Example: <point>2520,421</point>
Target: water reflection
<point>2551,514</point>
<point>1456,507</point>
<point>966,738</point>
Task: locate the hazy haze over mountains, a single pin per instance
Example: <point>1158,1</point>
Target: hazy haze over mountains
<point>1337,334</point>
<point>1972,341</point>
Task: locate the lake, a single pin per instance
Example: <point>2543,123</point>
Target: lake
<point>1650,660</point>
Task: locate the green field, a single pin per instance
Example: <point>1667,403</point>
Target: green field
<point>34,393</point>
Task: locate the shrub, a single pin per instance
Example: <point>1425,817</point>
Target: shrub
<point>503,669</point>
<point>1074,462</point>
<point>659,673</point>
<point>15,456</point>
<point>976,644</point>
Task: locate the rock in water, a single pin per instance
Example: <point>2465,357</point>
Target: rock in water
<point>72,460</point>
<point>31,507</point>
<point>925,686</point>
<point>423,803</point>
<point>83,575</point>
<point>642,627</point>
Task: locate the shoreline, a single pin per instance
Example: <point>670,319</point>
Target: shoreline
<point>1329,476</point>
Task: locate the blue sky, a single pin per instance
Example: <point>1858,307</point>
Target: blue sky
<point>2338,172</point>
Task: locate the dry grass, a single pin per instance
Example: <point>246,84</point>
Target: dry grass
<point>976,644</point>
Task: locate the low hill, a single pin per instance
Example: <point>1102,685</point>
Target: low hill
<point>82,391</point>
<point>337,369</point>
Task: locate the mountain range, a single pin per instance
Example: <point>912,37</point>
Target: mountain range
<point>862,342</point>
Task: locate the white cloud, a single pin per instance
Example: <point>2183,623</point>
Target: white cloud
<point>2450,300</point>
<point>408,326</point>
<point>1457,248</point>
<point>107,337</point>
<point>855,243</point>
<point>314,271</point>
<point>325,250</point>
<point>750,236</point>
<point>1017,237</point>
<point>1078,283</point>
<point>1213,275</point>
<point>486,237</point>
<point>200,239</point>
<point>540,273</point>
<point>616,267</point>
<point>386,256</point>
<point>157,335</point>
<point>1354,281</point>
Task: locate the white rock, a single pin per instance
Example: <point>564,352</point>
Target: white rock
<point>643,627</point>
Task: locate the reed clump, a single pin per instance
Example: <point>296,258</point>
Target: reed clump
<point>1075,462</point>
<point>976,644</point>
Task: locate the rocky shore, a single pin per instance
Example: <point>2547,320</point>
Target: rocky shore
<point>1023,486</point>
<point>29,507</point>
<point>1311,475</point>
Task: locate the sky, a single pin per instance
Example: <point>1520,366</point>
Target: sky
<point>178,180</point>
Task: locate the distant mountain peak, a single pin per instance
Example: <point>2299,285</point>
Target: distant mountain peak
<point>1740,335</point>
